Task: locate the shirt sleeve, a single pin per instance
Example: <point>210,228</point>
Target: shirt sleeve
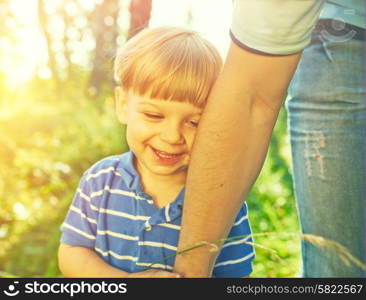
<point>278,27</point>
<point>237,253</point>
<point>79,227</point>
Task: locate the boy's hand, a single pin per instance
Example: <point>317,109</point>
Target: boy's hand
<point>154,274</point>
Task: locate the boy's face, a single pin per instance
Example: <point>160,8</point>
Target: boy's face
<point>160,133</point>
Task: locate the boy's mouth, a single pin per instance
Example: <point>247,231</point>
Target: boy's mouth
<point>167,157</point>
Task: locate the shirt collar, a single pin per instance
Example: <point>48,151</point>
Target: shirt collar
<point>132,180</point>
<point>129,174</point>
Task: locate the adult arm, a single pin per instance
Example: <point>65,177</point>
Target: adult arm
<point>230,148</point>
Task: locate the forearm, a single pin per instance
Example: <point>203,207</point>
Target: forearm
<point>222,172</point>
<point>228,154</point>
<point>84,262</point>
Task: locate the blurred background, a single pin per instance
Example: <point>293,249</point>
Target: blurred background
<point>57,118</point>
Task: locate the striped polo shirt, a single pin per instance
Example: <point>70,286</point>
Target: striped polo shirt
<point>112,215</point>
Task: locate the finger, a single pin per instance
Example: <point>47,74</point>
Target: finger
<point>163,274</point>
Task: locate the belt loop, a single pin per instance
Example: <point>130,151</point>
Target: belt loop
<point>326,50</point>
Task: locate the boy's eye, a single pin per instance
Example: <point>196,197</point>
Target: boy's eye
<point>153,116</point>
<point>193,123</point>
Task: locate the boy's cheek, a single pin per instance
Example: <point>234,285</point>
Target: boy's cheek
<point>136,136</point>
<point>190,140</point>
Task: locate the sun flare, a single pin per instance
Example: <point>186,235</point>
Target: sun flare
<point>20,52</point>
<point>23,49</point>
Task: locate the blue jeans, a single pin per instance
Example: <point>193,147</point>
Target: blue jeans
<point>326,108</point>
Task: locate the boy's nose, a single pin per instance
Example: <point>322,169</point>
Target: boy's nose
<point>172,134</point>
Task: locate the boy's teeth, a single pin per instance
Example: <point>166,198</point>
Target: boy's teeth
<point>166,155</point>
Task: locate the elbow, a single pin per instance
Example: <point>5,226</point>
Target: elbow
<point>264,113</point>
<point>61,260</point>
<point>63,256</point>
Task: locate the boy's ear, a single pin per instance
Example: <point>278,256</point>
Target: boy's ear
<point>121,104</point>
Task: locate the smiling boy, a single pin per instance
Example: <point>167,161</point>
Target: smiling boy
<point>125,217</point>
<point>160,133</point>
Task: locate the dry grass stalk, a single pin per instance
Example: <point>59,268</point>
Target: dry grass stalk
<point>320,242</point>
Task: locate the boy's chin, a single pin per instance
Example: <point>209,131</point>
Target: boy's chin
<point>170,171</point>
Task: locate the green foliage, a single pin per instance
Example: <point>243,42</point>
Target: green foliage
<point>272,208</point>
<point>49,138</point>
<point>47,142</point>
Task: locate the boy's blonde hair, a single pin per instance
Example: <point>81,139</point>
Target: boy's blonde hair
<point>168,63</point>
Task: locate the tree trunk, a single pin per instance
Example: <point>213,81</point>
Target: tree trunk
<point>140,11</point>
<point>42,17</point>
<point>104,24</point>
<point>67,20</point>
